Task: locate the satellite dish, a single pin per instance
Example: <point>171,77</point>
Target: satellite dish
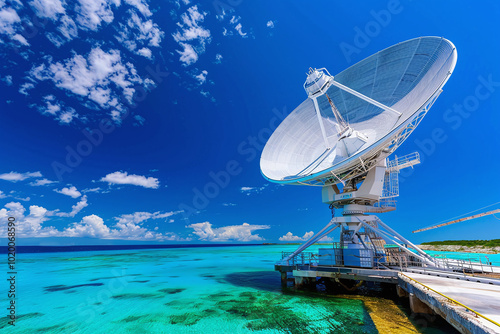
<point>344,132</point>
<point>353,120</point>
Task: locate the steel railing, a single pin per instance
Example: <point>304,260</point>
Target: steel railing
<point>403,262</point>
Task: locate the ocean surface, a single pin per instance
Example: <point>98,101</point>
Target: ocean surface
<point>187,290</point>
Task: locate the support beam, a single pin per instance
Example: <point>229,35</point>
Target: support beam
<point>419,307</point>
<point>325,231</point>
<point>403,239</point>
<point>363,97</point>
<point>383,235</point>
<point>284,279</point>
<point>320,121</point>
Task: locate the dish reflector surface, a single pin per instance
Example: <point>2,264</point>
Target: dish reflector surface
<point>403,77</point>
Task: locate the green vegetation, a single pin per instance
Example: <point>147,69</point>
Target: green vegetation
<point>465,243</point>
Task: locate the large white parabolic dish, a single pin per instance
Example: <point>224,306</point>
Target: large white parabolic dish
<point>406,77</point>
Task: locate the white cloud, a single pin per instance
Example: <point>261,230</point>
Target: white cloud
<point>75,209</point>
<point>47,8</point>
<point>207,95</point>
<point>139,120</point>
<point>95,74</point>
<point>139,217</point>
<point>15,176</point>
<point>243,232</point>
<point>222,14</point>
<point>20,39</point>
<point>136,180</point>
<point>236,24</point>
<point>138,35</point>
<point>42,182</point>
<point>52,108</point>
<point>326,239</point>
<point>10,23</point>
<point>128,226</point>
<point>191,30</point>
<point>24,88</point>
<point>2,195</point>
<point>57,110</point>
<point>253,190</point>
<point>145,52</point>
<point>238,28</point>
<point>90,226</point>
<point>270,24</point>
<point>202,77</point>
<point>142,6</point>
<point>79,75</point>
<point>68,27</point>
<point>218,58</point>
<point>91,13</point>
<point>29,225</point>
<point>226,32</point>
<point>234,19</point>
<point>290,237</point>
<point>99,77</point>
<point>8,20</point>
<point>92,190</point>
<point>67,116</point>
<point>7,80</point>
<point>71,191</point>
<point>188,55</point>
<point>55,39</point>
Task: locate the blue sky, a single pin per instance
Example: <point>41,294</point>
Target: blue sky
<point>116,116</point>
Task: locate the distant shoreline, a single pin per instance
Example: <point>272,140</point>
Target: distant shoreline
<point>466,246</point>
<point>461,248</point>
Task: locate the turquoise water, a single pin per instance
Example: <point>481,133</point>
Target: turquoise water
<point>475,257</point>
<point>184,290</point>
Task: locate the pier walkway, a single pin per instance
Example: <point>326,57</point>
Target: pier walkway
<point>465,292</point>
<point>469,306</point>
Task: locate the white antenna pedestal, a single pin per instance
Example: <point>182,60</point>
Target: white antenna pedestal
<point>363,236</point>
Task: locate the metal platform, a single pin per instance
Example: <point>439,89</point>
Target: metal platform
<point>370,275</point>
<point>465,293</point>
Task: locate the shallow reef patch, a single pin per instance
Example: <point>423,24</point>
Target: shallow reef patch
<point>60,287</point>
<point>136,295</point>
<point>4,321</point>
<point>171,291</point>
